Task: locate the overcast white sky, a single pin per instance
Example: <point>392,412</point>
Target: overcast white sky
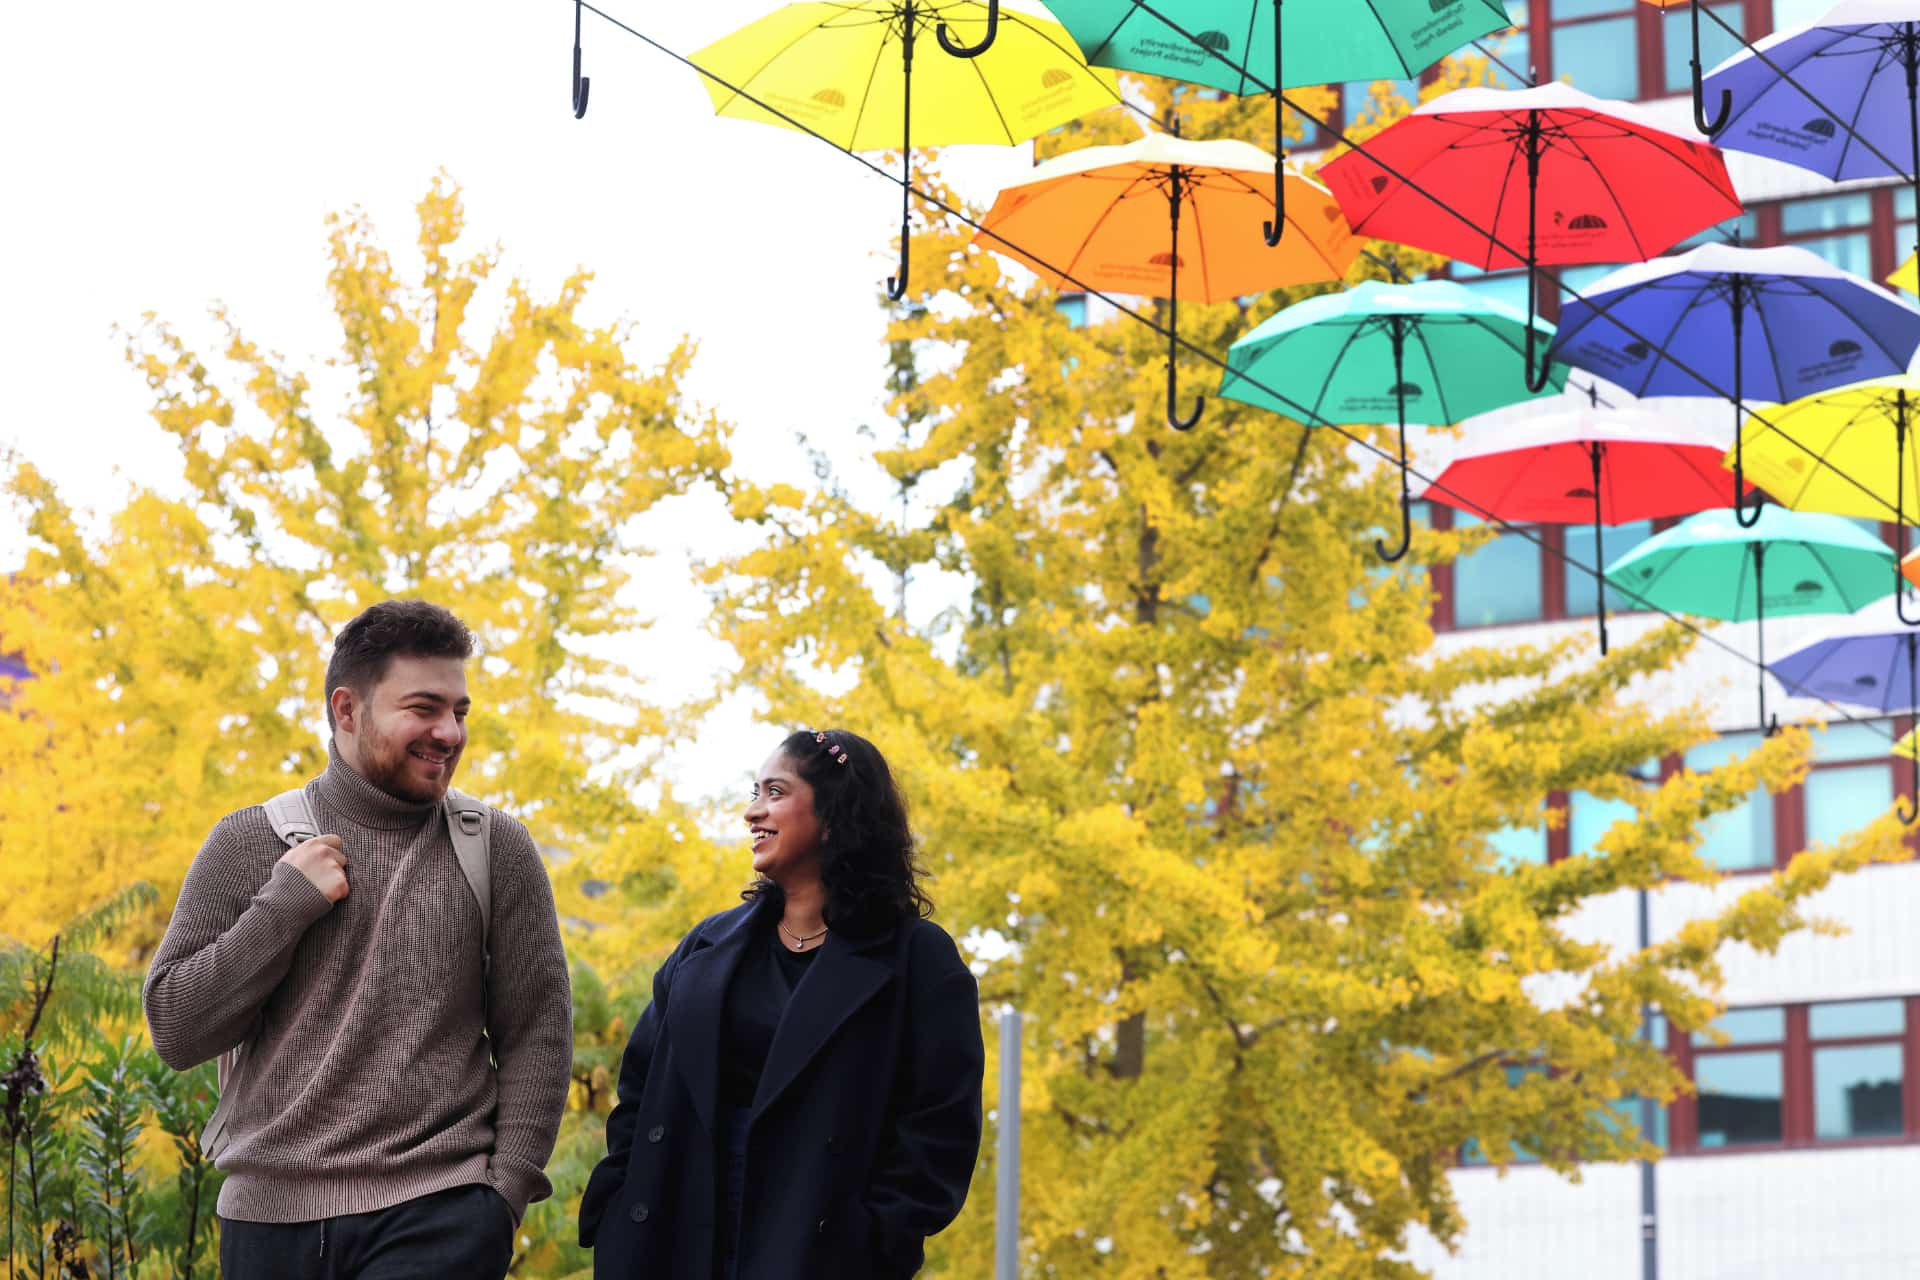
<point>160,157</point>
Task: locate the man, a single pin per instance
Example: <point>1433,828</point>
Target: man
<point>392,1105</point>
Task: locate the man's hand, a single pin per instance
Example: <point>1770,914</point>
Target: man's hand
<point>323,861</point>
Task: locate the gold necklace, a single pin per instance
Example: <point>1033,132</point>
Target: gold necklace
<point>802,942</point>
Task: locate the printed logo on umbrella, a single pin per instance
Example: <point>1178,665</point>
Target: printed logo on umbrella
<point>1803,591</point>
<point>1056,86</point>
<point>1592,354</point>
<point>1843,355</point>
<point>1166,260</point>
<point>1817,132</point>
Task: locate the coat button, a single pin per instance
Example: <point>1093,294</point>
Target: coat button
<point>820,1227</point>
<point>638,1213</point>
<point>656,1133</point>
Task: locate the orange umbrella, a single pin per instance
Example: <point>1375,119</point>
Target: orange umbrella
<point>1910,566</point>
<point>1129,219</point>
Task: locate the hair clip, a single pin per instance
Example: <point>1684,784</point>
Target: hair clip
<point>833,748</point>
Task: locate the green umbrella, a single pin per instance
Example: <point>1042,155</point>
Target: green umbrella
<point>1708,565</point>
<point>1430,353</point>
<point>1237,44</point>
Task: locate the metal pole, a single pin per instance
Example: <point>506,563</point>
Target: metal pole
<point>1649,1117</point>
<point>1006,1223</point>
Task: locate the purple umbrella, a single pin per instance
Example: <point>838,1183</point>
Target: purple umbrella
<point>1866,662</point>
<point>1838,97</point>
<point>1774,324</point>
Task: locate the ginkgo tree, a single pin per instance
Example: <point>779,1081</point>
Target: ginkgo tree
<point>1212,809</point>
<point>473,441</point>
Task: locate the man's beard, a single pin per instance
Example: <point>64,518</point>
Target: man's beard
<point>386,763</point>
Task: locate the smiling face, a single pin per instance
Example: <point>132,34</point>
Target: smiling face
<point>781,824</point>
<point>406,735</point>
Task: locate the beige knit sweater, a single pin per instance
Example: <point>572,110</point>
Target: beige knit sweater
<point>367,1079</point>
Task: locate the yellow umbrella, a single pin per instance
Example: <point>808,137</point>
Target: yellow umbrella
<point>830,69</point>
<point>1852,451</point>
<point>1132,218</point>
<point>1907,274</point>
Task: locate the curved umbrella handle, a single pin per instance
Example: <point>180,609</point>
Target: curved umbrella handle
<point>1174,419</point>
<point>1700,121</point>
<point>986,41</point>
<point>1406,537</point>
<point>580,83</point>
<point>1907,810</point>
<point>1272,231</point>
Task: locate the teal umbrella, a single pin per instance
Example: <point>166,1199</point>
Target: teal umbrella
<point>1708,565</point>
<point>1430,353</point>
<point>1237,44</point>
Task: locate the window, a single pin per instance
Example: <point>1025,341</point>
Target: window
<point>1858,1069</point>
<point>1741,838</point>
<point>1716,45</point>
<point>1851,781</point>
<point>1519,846</point>
<point>1800,1075</point>
<point>1512,49</point>
<point>1596,45</point>
<point>1795,13</point>
<point>1615,541</point>
<point>1740,1084</point>
<point>1074,307</point>
<point>1838,228</point>
<point>1499,582</point>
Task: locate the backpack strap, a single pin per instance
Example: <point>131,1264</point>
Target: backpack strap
<point>470,824</point>
<point>292,817</point>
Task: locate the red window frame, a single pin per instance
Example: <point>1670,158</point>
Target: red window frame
<point>1797,1111</point>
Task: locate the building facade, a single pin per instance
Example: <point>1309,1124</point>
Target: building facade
<point>1797,1152</point>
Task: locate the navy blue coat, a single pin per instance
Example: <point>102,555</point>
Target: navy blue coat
<point>863,1134</point>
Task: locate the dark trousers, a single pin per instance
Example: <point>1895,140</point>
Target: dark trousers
<point>462,1233</point>
<point>733,1191</point>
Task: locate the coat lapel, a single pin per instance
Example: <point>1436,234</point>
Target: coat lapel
<point>846,974</point>
<point>699,997</point>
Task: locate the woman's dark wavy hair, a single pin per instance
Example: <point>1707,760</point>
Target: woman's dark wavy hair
<point>868,863</point>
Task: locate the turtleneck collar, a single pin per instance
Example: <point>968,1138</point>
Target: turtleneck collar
<point>361,802</point>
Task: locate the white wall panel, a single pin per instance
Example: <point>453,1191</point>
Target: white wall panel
<point>1532,1223</point>
<point>1805,1215</point>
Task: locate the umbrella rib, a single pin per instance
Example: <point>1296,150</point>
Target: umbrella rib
<point>1500,202</point>
<point>1405,71</point>
<point>1833,577</point>
<point>992,101</point>
<point>1419,327</point>
<point>1666,345</point>
<point>1354,334</point>
<point>1253,16</point>
<point>1853,123</point>
<point>1200,248</point>
<point>1754,100</point>
<point>1821,459</point>
<point>1606,184</point>
<point>1872,332</point>
<point>1773,353</point>
<point>873,75</point>
<point>1086,241</point>
<point>736,91</point>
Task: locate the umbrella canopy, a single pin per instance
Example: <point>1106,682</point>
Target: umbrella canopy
<point>1583,464</point>
<point>1433,352</point>
<point>1866,661</point>
<point>1571,177</point>
<point>1541,472</point>
<point>1776,324</point>
<point>1167,217</point>
<point>846,71</point>
<point>1704,565</point>
<point>1229,44</point>
<point>1710,564</point>
<point>1910,566</point>
<point>1907,275</point>
<point>1263,46</point>
<point>1853,451</point>
<point>1098,217</point>
<point>1838,97</point>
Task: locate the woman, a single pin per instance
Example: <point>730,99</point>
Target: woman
<point>801,1100</point>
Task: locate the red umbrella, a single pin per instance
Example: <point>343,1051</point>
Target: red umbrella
<point>1579,463</point>
<point>1572,177</point>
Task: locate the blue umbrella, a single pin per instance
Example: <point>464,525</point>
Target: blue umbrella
<point>1814,327</point>
<point>1858,67</point>
<point>1865,663</point>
